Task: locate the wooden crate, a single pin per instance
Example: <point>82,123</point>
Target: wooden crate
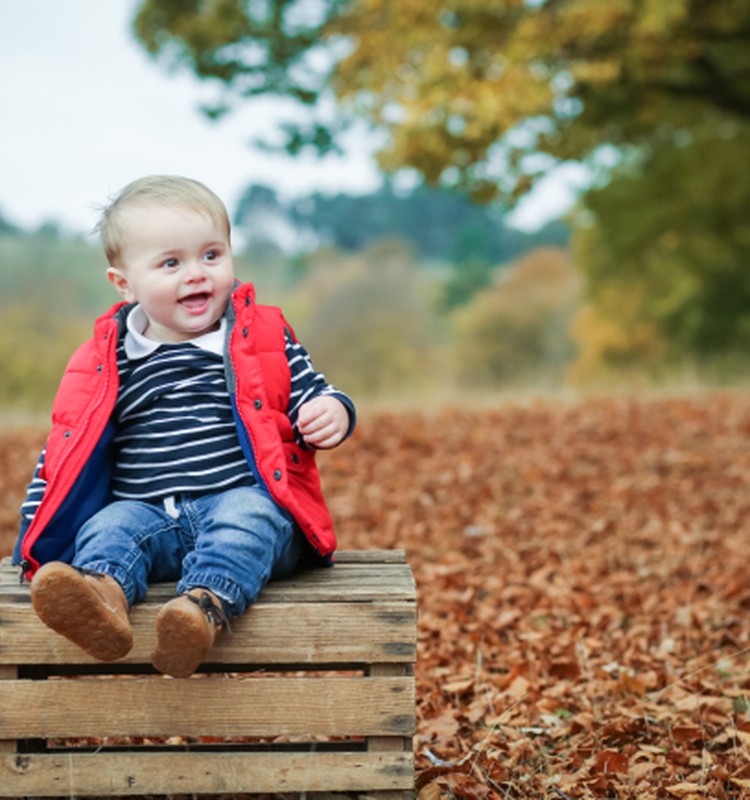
<point>313,692</point>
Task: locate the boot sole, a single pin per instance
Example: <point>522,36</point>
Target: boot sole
<point>181,641</point>
<point>66,602</point>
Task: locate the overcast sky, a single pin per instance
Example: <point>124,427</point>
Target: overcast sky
<point>83,111</point>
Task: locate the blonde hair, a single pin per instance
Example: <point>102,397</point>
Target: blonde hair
<point>167,190</point>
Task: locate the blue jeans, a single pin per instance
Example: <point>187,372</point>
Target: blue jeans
<point>231,543</point>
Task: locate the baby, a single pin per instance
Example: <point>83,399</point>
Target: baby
<point>182,445</point>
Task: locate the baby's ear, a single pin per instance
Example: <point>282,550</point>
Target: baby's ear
<point>120,282</point>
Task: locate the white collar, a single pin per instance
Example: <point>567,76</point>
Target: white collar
<point>139,346</point>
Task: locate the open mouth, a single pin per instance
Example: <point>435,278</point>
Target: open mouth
<point>195,303</point>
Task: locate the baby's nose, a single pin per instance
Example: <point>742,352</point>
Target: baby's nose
<point>195,271</point>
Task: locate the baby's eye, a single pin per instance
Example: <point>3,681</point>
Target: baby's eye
<point>170,263</point>
<point>211,255</point>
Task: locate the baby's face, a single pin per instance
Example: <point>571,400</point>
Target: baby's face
<point>177,263</point>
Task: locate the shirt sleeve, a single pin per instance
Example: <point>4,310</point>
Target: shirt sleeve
<point>308,383</point>
<point>34,492</point>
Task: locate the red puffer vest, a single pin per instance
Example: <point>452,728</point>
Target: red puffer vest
<point>77,463</point>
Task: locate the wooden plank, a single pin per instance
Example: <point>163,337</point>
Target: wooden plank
<point>380,744</point>
<point>9,575</point>
<point>345,583</point>
<point>372,556</point>
<point>360,581</point>
<point>11,588</point>
<point>361,612</point>
<point>125,774</point>
<point>208,706</point>
<point>382,556</point>
<point>271,633</point>
<point>8,673</point>
<point>316,632</point>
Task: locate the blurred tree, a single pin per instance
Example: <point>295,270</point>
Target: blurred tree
<point>664,248</point>
<point>440,225</point>
<point>466,278</point>
<point>35,346</point>
<point>262,223</point>
<point>8,228</point>
<point>516,330</point>
<point>367,318</point>
<point>613,348</point>
<point>480,94</point>
<point>487,96</point>
<point>250,48</point>
<point>63,274</point>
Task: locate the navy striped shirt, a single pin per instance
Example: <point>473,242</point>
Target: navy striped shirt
<point>175,429</point>
<point>175,426</point>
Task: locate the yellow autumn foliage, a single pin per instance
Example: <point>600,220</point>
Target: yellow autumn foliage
<point>516,331</point>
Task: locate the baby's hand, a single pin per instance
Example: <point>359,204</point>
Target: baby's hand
<point>323,422</point>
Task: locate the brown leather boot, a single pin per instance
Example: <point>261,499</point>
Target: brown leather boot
<point>89,609</point>
<point>186,628</point>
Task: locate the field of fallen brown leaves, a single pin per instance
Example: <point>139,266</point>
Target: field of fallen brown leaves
<point>583,572</point>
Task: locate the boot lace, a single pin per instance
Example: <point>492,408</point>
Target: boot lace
<point>212,610</point>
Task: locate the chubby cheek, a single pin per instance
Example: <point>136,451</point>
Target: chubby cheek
<point>225,281</point>
<point>225,295</point>
<point>158,298</point>
<point>223,290</point>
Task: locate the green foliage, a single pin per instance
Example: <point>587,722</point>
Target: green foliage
<point>472,92</point>
<point>489,96</point>
<point>516,331</point>
<point>370,318</point>
<point>252,48</point>
<point>441,225</point>
<point>64,276</point>
<point>367,320</point>
<point>7,227</point>
<point>50,290</point>
<point>35,346</point>
<point>463,282</point>
<point>664,249</point>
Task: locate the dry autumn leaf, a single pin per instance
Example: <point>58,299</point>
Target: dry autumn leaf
<point>584,601</point>
<point>609,761</point>
<point>430,792</point>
